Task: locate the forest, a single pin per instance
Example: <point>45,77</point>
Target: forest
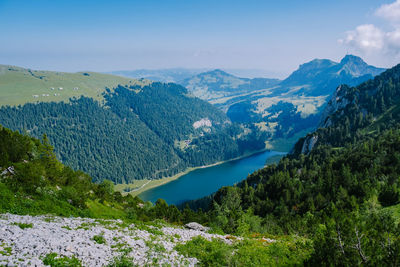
<point>132,134</point>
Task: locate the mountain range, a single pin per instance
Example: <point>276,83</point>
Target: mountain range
<point>293,107</point>
<point>283,110</point>
<point>121,129</point>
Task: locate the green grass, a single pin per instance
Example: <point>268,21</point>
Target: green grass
<point>395,211</point>
<point>99,239</point>
<point>18,85</point>
<point>24,225</point>
<point>288,251</point>
<point>6,250</point>
<point>103,211</point>
<point>54,260</point>
<point>122,261</point>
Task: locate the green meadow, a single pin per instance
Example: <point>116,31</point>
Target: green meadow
<point>19,85</point>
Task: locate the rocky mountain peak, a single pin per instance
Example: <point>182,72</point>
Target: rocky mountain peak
<point>351,59</point>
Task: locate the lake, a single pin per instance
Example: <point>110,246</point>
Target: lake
<point>205,181</point>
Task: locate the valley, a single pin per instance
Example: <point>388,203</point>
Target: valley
<point>199,133</point>
<point>245,116</point>
<point>342,175</point>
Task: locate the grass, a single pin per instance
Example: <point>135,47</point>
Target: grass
<point>289,251</point>
<point>99,239</point>
<point>395,211</point>
<point>5,250</point>
<point>24,225</point>
<point>18,85</point>
<point>54,260</point>
<point>99,210</point>
<point>122,261</point>
<point>152,228</point>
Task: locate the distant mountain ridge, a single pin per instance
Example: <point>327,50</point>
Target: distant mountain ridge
<point>292,108</point>
<point>216,84</point>
<point>173,75</point>
<point>321,76</point>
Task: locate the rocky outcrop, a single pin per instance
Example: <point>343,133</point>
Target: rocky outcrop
<point>196,226</point>
<point>337,102</point>
<point>26,240</point>
<point>309,144</point>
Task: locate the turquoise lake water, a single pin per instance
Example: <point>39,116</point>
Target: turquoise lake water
<point>202,182</point>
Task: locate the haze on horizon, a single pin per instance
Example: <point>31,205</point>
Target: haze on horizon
<point>273,36</point>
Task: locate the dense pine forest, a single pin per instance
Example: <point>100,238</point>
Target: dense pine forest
<point>136,133</point>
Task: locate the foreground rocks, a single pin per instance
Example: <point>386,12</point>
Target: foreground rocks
<point>196,226</point>
<point>26,240</point>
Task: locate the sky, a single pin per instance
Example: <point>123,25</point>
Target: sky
<point>273,36</point>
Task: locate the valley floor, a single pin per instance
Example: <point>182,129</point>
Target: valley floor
<point>30,240</point>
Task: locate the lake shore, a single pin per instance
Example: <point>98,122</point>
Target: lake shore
<point>141,186</point>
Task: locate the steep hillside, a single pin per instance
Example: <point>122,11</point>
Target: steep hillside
<point>136,132</point>
<point>19,86</point>
<point>354,111</point>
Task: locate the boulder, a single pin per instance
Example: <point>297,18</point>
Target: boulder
<point>196,226</point>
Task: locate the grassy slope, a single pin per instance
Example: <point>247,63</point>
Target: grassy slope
<point>18,85</point>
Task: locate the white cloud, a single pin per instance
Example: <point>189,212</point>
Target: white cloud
<point>390,12</point>
<point>393,40</point>
<point>366,37</point>
<point>370,39</point>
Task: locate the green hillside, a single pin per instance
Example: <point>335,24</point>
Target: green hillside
<point>35,183</point>
<point>19,86</point>
<point>340,187</point>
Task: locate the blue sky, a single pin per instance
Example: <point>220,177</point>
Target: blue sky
<point>275,36</point>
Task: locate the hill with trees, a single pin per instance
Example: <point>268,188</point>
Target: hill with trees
<point>136,132</point>
<point>33,182</point>
<point>340,187</point>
